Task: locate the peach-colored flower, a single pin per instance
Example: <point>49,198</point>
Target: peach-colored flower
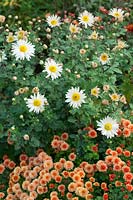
<point>116,160</point>
<point>61,188</point>
<point>89,197</point>
<point>88,185</point>
<point>126,153</point>
<point>88,168</point>
<point>31,187</point>
<point>114,153</point>
<point>103,185</point>
<point>125,169</point>
<point>18,193</point>
<point>75,198</point>
<point>81,173</point>
<point>51,185</point>
<point>48,164</point>
<point>42,181</point>
<point>54,198</point>
<point>15,178</point>
<point>29,198</point>
<point>92,134</point>
<point>2,168</point>
<point>64,146</point>
<point>2,195</point>
<point>64,136</point>
<point>72,187</point>
<point>23,163</point>
<point>92,179</point>
<point>109,159</point>
<point>118,183</point>
<point>117,167</point>
<point>23,157</point>
<point>128,176</point>
<point>40,189</point>
<point>65,174</point>
<point>68,165</point>
<point>47,177</point>
<point>129,187</point>
<point>11,165</point>
<point>6,162</point>
<point>72,156</point>
<point>119,150</point>
<point>53,193</point>
<point>58,179</point>
<point>16,187</point>
<point>130,126</point>
<point>33,194</point>
<point>101,166</point>
<point>69,196</point>
<point>125,123</point>
<point>25,184</point>
<point>58,166</point>
<point>96,184</point>
<point>126,132</point>
<point>83,164</point>
<point>42,155</point>
<point>76,178</point>
<point>54,173</point>
<point>83,192</point>
<point>62,161</point>
<point>108,151</point>
<point>32,174</point>
<point>55,143</point>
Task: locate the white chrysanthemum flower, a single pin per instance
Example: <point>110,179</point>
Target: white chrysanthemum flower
<point>53,21</point>
<point>36,103</point>
<point>53,69</point>
<point>104,58</point>
<point>73,28</point>
<point>93,36</point>
<point>75,97</point>
<point>86,19</point>
<point>2,56</point>
<point>23,49</point>
<point>121,44</point>
<point>117,13</point>
<point>95,91</point>
<point>108,127</point>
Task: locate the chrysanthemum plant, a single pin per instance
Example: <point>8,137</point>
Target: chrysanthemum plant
<point>62,74</point>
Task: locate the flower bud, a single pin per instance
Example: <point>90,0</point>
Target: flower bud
<point>14,78</point>
<point>26,137</point>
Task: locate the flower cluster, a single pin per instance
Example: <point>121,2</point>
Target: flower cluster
<point>43,177</point>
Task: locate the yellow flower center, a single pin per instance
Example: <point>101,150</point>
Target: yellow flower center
<point>85,18</point>
<point>115,97</point>
<point>10,39</point>
<point>94,92</point>
<point>76,97</point>
<point>73,29</point>
<point>116,14</point>
<point>37,102</point>
<point>108,126</point>
<point>104,57</point>
<point>54,22</point>
<point>52,68</point>
<point>23,48</point>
